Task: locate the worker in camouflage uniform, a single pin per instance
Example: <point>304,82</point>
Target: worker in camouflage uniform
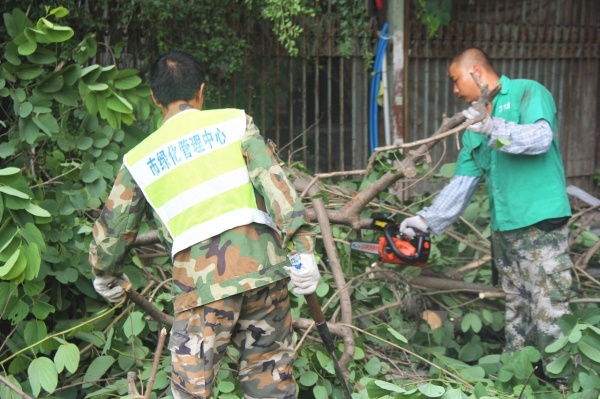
<point>223,207</point>
<point>529,206</point>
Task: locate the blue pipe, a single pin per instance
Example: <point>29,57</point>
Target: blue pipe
<point>375,82</point>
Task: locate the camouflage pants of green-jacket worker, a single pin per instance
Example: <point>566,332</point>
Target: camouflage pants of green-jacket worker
<point>535,270</point>
<point>258,323</point>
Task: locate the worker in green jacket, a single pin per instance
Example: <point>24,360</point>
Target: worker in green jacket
<point>226,212</point>
<point>515,151</point>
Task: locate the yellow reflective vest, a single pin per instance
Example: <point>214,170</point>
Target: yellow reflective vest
<point>193,174</point>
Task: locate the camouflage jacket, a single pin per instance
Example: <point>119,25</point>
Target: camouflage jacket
<point>237,260</point>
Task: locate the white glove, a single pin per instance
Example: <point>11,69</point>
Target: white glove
<point>485,126</point>
<point>304,280</point>
<point>417,222</point>
<point>110,287</point>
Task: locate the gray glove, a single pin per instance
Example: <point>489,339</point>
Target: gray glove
<point>305,276</point>
<point>417,222</point>
<point>484,127</point>
<point>110,287</point>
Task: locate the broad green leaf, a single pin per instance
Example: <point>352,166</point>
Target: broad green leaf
<point>388,386</point>
<point>33,235</point>
<point>499,143</point>
<point>325,361</point>
<point>27,48</point>
<point>7,267</point>
<point>13,192</point>
<point>308,379</point>
<point>59,12</point>
<point>447,170</point>
<point>226,386</point>
<point>25,109</point>
<point>96,188</point>
<point>134,324</point>
<point>29,72</point>
<point>373,366</point>
<point>18,312</point>
<point>471,322</point>
<point>19,364</point>
<point>5,391</point>
<point>557,366</point>
<point>9,171</point>
<point>42,374</point>
<point>431,391</point>
<point>35,331</point>
<point>18,267</point>
<point>69,275</point>
<point>57,33</point>
<point>480,390</point>
<point>67,356</point>
<point>96,370</point>
<point>84,142</point>
<point>37,211</point>
<point>589,351</point>
<point>127,82</point>
<point>98,86</point>
<point>557,345</point>
<point>119,104</point>
<point>454,394</point>
<point>320,392</point>
<point>41,310</point>
<point>397,335</point>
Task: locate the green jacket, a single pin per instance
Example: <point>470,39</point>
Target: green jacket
<point>523,189</point>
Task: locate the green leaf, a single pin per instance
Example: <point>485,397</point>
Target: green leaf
<point>127,82</point>
<point>25,109</point>
<point>119,104</point>
<point>226,386</point>
<point>454,394</point>
<point>388,386</point>
<point>37,211</point>
<point>98,86</point>
<point>27,48</point>
<point>42,374</point>
<point>373,366</point>
<point>499,143</point>
<point>7,267</point>
<point>9,171</point>
<point>308,379</point>
<point>480,390</point>
<point>41,310</point>
<point>96,370</point>
<point>67,356</point>
<point>59,12</point>
<point>18,312</point>
<point>29,72</point>
<point>589,351</point>
<point>35,331</point>
<point>471,321</point>
<point>397,335</point>
<point>33,235</point>
<point>557,366</point>
<point>320,392</point>
<point>57,33</point>
<point>134,324</point>
<point>557,345</point>
<point>18,267</point>
<point>13,192</point>
<point>431,391</point>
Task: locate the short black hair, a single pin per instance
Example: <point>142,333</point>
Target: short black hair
<point>176,76</point>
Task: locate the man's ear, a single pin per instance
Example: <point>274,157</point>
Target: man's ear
<point>154,99</point>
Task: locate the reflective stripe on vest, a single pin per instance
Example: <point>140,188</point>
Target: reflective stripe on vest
<point>182,172</point>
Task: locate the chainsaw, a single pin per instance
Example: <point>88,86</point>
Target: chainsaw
<point>395,247</point>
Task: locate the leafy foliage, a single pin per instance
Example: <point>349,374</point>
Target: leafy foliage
<point>66,122</point>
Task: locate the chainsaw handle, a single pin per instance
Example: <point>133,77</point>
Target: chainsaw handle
<point>388,236</point>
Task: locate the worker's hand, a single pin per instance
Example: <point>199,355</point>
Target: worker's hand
<point>415,222</point>
<point>305,277</point>
<point>110,287</point>
<point>485,126</point>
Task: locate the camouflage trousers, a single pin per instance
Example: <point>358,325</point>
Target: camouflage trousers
<point>535,270</point>
<point>257,322</point>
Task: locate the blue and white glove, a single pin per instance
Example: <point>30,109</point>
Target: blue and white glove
<point>485,126</point>
<point>304,275</point>
<point>110,287</point>
<point>407,225</point>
